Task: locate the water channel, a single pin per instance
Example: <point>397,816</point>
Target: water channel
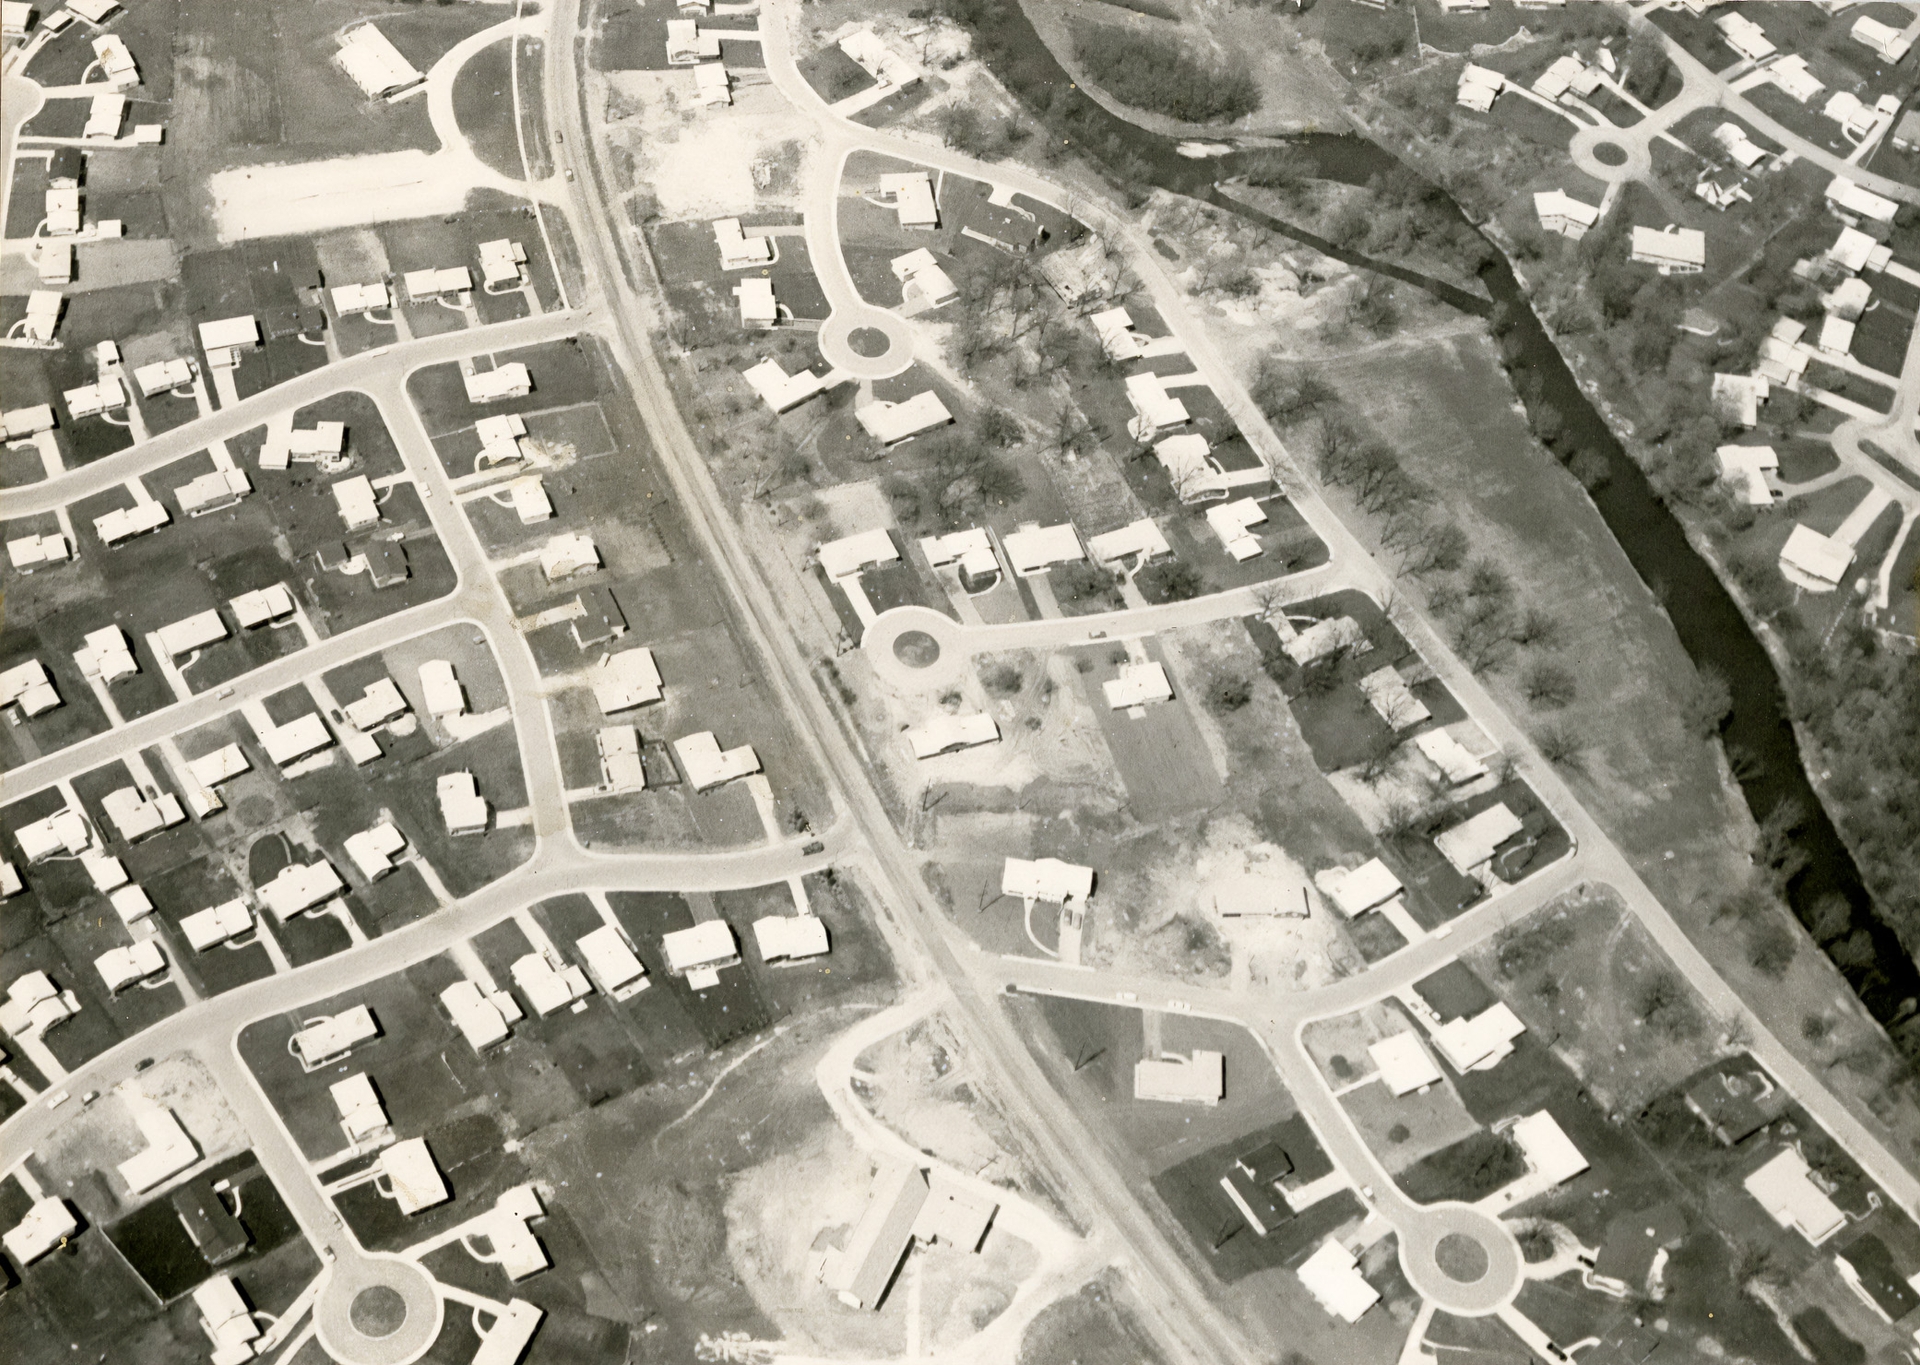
<point>1709,624</point>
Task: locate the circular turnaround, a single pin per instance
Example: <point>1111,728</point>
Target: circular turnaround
<point>377,1311</point>
<point>870,342</point>
<point>1461,1258</point>
<point>916,649</point>
<point>1609,154</point>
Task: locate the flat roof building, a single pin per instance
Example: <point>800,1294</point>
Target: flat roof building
<point>226,762</point>
<point>568,554</point>
<point>944,734</point>
<point>406,1174</point>
<point>262,606</point>
<point>780,390</point>
<point>1332,1275</point>
<point>125,523</point>
<point>611,962</point>
<point>502,262</point>
<point>216,925</point>
<point>168,1151</point>
<point>358,505</point>
<point>445,696</point>
<point>1199,1079</point>
<point>331,1037</point>
<point>1471,843</point>
<point>1139,539</point>
<point>434,281</point>
<point>1355,892</point>
<point>375,65</point>
<point>65,831</point>
<point>1814,562</point>
<point>43,313</point>
<point>380,703</point>
<point>230,334</point>
<point>757,305</point>
<point>225,1319</point>
<point>131,903</point>
<point>461,805</point>
<point>707,765</point>
<point>549,986</point>
<point>711,85</point>
<point>34,1005</point>
<point>737,249</point>
<point>46,1225</point>
<point>481,1017</point>
<point>626,679</point>
<point>507,1340</point>
<point>1786,1189</point>
<point>136,817</point>
<point>892,423</point>
<point>212,491</point>
<point>123,967</point>
<point>1154,408</point>
<point>1114,327</point>
<point>1550,1154</point>
<point>1479,1043</point>
<point>1387,692</point>
<point>1849,200</point>
<point>1745,37</point>
<point>846,557</point>
<point>1046,879</point>
<point>105,871</point>
<point>706,947</point>
<point>1672,250</point>
<point>29,687</point>
<point>18,423</point>
<point>1036,549</point>
<point>971,549</point>
<point>1403,1063</point>
<point>1889,42</point>
<point>530,501</point>
<point>300,887</point>
<point>511,380</point>
<point>297,739</point>
<point>373,851</point>
<point>1560,212</point>
<point>923,284</point>
<point>1139,684</point>
<point>912,197</point>
<point>1479,87</point>
<point>790,938</point>
<point>90,400</point>
<point>621,767</point>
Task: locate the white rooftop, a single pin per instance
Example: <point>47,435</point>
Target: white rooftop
<point>945,733</point>
<point>1138,685</point>
<point>707,765</point>
<point>709,943</point>
<point>1333,1277</point>
<point>1033,549</point>
<point>890,423</point>
<point>1403,1063</point>
<point>1786,1190</point>
<point>849,555</point>
<point>1046,879</point>
<point>790,937</point>
<point>410,1175</point>
<point>1199,1079</point>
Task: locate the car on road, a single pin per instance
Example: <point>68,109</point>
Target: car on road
<point>142,1064</point>
<point>812,848</point>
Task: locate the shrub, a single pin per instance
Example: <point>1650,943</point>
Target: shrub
<point>1229,694</point>
<point>1147,72</point>
<point>1175,581</point>
<point>1087,583</point>
<point>1003,680</point>
<point>1771,949</point>
<point>999,427</point>
<point>1561,745</point>
<point>1547,683</point>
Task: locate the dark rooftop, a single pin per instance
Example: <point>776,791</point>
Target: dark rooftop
<point>1634,1238</point>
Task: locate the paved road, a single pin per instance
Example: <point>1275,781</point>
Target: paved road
<point>1179,1306</point>
<point>1704,89</point>
<point>364,371</point>
<point>1599,859</point>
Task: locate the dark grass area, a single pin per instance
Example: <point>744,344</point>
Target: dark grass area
<point>1232,1250</point>
<point>156,1244</point>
